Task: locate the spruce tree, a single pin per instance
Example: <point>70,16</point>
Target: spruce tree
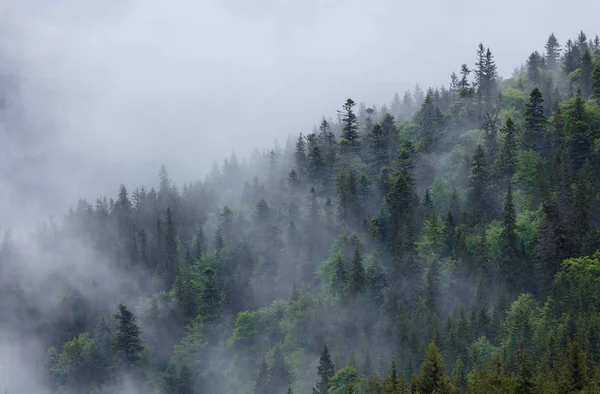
<point>478,195</point>
<point>587,67</point>
<point>127,343</point>
<point>510,254</point>
<point>170,259</point>
<point>595,81</point>
<point>506,163</point>
<point>534,136</point>
<point>300,154</point>
<point>552,52</point>
<point>350,129</point>
<point>378,147</point>
<point>581,140</point>
<point>280,377</point>
<point>325,370</point>
<point>262,381</point>
<point>357,277</point>
<point>432,377</point>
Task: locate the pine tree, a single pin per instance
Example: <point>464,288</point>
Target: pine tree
<point>339,280</point>
<point>432,377</point>
<point>325,370</point>
<point>300,154</point>
<point>478,195</point>
<point>571,57</point>
<point>552,52</point>
<point>506,163</point>
<point>350,129</point>
<point>525,383</point>
<point>431,121</point>
<point>357,277</point>
<point>280,376</point>
<point>186,385</point>
<point>510,264</point>
<point>170,259</point>
<point>210,296</point>
<point>581,140</point>
<point>316,163</point>
<point>587,67</point>
<point>378,147</point>
<point>534,136</point>
<point>534,65</point>
<point>574,371</point>
<point>262,382</point>
<point>595,81</point>
<point>127,343</point>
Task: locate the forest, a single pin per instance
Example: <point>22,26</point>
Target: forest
<point>445,242</point>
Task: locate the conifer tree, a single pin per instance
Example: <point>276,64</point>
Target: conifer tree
<point>581,139</point>
<point>478,195</point>
<point>432,377</point>
<point>262,382</point>
<point>587,67</point>
<point>534,136</point>
<point>430,119</point>
<point>506,163</point>
<point>357,278</point>
<point>350,129</point>
<point>170,259</point>
<point>127,343</point>
<point>552,52</point>
<point>280,376</point>
<point>595,81</point>
<point>210,296</point>
<point>325,370</point>
<point>510,264</point>
<point>300,154</point>
<point>378,147</point>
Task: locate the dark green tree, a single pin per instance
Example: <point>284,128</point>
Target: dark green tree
<point>506,163</point>
<point>350,129</point>
<point>535,133</point>
<point>325,370</point>
<point>127,343</point>
<point>478,196</point>
<point>171,263</point>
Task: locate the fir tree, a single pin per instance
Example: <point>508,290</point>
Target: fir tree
<point>478,196</point>
<point>127,343</point>
<point>534,136</point>
<point>325,370</point>
<point>506,163</point>
<point>432,377</point>
<point>350,129</point>
<point>552,52</point>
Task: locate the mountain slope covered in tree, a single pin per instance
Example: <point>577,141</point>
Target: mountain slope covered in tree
<point>447,242</point>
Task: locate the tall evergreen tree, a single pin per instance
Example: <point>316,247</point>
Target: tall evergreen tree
<point>171,263</point>
<point>357,278</point>
<point>510,264</point>
<point>552,52</point>
<point>350,129</point>
<point>478,196</point>
<point>506,163</point>
<point>534,136</point>
<point>127,343</point>
<point>325,370</point>
<point>432,377</point>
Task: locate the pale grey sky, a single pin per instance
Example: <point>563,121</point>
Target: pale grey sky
<point>110,89</point>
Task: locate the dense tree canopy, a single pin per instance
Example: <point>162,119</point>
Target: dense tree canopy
<point>448,244</point>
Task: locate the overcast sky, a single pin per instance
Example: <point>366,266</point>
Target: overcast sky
<point>108,90</point>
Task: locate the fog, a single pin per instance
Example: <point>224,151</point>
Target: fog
<point>104,92</point>
<point>93,94</point>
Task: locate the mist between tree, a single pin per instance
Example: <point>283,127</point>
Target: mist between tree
<point>445,242</point>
